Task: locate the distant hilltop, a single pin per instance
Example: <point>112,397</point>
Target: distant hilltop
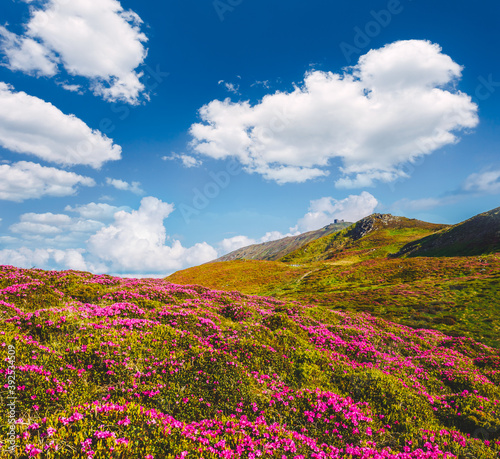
<point>275,250</point>
<point>377,235</point>
<point>479,235</point>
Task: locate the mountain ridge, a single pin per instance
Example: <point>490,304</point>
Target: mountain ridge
<point>478,235</point>
<point>375,235</point>
<point>274,250</point>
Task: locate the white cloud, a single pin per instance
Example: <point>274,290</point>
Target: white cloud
<point>48,241</point>
<point>72,87</point>
<point>407,64</point>
<point>187,160</point>
<point>134,187</point>
<point>32,126</point>
<point>106,198</point>
<point>46,258</point>
<point>396,104</point>
<point>231,87</point>
<point>234,243</point>
<point>72,259</point>
<point>35,228</point>
<point>54,231</point>
<point>136,242</point>
<point>95,39</point>
<point>41,224</point>
<point>264,84</point>
<point>324,211</point>
<point>485,182</point>
<point>237,242</point>
<point>95,211</point>
<point>27,55</point>
<point>24,257</point>
<point>275,235</point>
<point>47,218</point>
<point>25,180</point>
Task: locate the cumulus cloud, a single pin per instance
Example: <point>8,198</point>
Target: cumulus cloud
<point>324,211</point>
<point>95,39</point>
<point>72,87</point>
<point>53,231</point>
<point>188,161</point>
<point>32,126</point>
<point>72,259</point>
<point>134,187</point>
<point>398,103</point>
<point>45,258</point>
<point>24,257</point>
<point>49,223</point>
<point>35,228</point>
<point>26,180</point>
<point>275,235</point>
<point>485,182</point>
<point>95,211</point>
<point>27,55</point>
<point>237,242</point>
<point>136,242</point>
<point>47,219</point>
<point>234,243</point>
<point>46,224</point>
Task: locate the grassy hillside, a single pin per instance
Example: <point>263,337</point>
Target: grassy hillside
<point>455,295</point>
<point>250,276</point>
<point>124,368</point>
<point>374,236</point>
<point>275,250</point>
<point>477,236</point>
<point>355,270</point>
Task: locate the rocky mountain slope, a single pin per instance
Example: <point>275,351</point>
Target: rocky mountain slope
<point>374,236</point>
<point>275,250</point>
<point>478,235</point>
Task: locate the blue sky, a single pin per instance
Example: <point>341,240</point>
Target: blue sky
<point>139,138</point>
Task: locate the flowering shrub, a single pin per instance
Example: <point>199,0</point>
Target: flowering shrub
<point>457,295</point>
<point>127,368</point>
